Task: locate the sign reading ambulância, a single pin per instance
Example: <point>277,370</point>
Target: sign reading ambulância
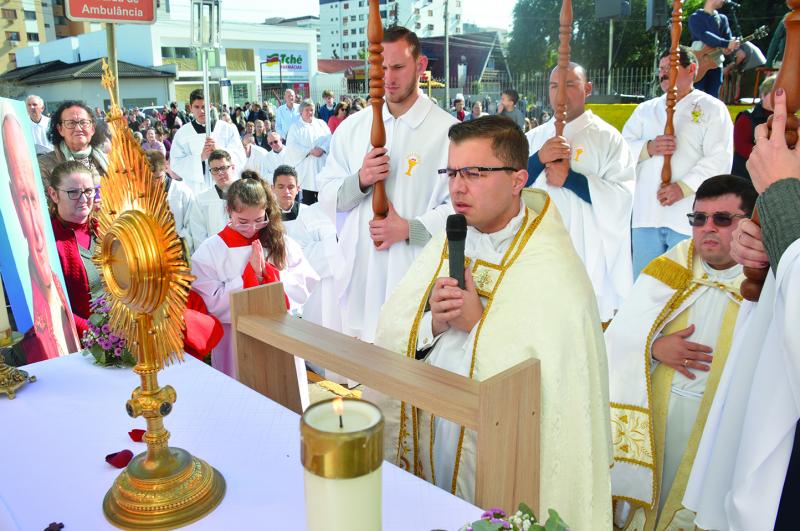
<point>288,65</point>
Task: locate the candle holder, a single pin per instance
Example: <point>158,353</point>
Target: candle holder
<point>11,378</point>
<point>342,465</point>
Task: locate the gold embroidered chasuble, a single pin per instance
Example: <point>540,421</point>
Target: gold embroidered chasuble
<point>538,303</point>
<point>641,388</point>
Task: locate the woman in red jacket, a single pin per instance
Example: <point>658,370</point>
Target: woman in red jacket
<point>72,195</point>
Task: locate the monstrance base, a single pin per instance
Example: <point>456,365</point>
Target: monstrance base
<point>177,491</point>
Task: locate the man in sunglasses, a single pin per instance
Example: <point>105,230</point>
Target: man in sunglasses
<point>526,296</point>
<point>701,147</point>
<point>667,348</point>
<point>276,156</point>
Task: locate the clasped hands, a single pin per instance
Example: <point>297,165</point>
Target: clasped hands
<point>555,155</point>
<point>453,307</point>
<point>393,228</point>
<point>257,259</point>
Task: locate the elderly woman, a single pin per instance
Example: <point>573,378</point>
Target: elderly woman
<point>72,129</point>
<point>307,144</point>
<point>72,195</point>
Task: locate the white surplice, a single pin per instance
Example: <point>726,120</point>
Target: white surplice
<point>739,471</point>
<point>600,231</point>
<point>704,132</point>
<point>274,159</point>
<point>259,162</point>
<point>300,140</point>
<point>181,202</point>
<point>220,265</point>
<point>417,147</point>
<point>208,216</point>
<point>187,146</point>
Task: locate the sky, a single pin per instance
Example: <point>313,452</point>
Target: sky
<point>495,14</point>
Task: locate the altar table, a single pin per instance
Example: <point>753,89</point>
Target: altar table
<point>55,435</point>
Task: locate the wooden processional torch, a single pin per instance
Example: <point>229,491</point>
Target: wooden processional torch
<point>380,203</point>
<point>672,92</point>
<point>789,81</point>
<point>564,36</point>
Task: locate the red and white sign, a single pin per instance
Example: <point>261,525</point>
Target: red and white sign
<point>123,11</point>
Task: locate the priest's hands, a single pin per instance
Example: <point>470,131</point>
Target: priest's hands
<point>390,230</point>
<point>557,172</point>
<point>747,245</point>
<point>374,168</point>
<point>209,146</point>
<point>676,352</point>
<point>454,307</point>
<point>661,145</point>
<point>317,152</point>
<point>771,159</point>
<point>257,259</point>
<point>555,149</point>
<point>670,194</point>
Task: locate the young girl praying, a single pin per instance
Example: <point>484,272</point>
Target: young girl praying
<point>251,250</point>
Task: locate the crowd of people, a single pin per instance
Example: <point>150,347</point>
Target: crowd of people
<point>577,254</point>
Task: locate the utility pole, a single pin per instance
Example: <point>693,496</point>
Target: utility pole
<point>446,56</point>
<point>205,23</point>
<point>610,53</point>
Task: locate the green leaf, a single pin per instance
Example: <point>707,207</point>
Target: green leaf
<point>484,525</point>
<point>554,522</point>
<point>526,510</point>
<point>96,319</point>
<point>98,353</point>
<point>128,358</point>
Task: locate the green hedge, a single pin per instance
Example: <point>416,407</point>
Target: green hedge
<point>618,113</point>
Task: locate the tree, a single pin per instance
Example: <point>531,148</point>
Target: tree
<point>533,46</point>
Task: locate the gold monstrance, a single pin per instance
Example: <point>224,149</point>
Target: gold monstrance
<point>147,282</point>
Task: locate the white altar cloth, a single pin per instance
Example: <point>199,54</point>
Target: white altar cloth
<point>55,434</point>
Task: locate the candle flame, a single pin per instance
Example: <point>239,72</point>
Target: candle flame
<point>338,405</point>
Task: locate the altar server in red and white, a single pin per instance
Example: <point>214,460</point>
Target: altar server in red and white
<point>251,250</point>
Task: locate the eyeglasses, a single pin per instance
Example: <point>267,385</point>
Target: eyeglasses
<point>271,142</point>
<point>721,219</point>
<point>472,173</point>
<point>72,124</point>
<point>76,194</point>
<point>219,170</point>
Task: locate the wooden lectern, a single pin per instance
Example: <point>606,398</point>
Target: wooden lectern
<point>503,410</point>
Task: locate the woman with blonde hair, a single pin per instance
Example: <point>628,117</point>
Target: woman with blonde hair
<point>251,250</point>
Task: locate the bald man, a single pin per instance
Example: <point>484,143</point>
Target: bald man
<point>589,174</point>
<point>39,124</point>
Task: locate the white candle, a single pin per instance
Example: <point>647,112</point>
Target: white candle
<point>342,466</point>
<point>5,328</point>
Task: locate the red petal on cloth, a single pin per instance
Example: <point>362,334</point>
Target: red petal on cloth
<point>119,459</point>
<point>136,435</point>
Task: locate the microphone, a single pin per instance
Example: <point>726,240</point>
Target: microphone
<point>733,4</point>
<point>456,236</point>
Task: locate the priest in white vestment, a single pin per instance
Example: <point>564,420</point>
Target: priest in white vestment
<point>589,175</point>
<point>250,251</point>
<point>209,214</point>
<point>416,140</point>
<point>307,145</point>
<point>527,296</point>
<point>190,149</point>
<point>746,470</point>
<point>667,349</point>
<point>276,156</point>
<point>701,147</point>
<point>180,198</point>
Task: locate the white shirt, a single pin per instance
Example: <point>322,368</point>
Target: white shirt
<point>285,117</point>
<point>704,133</point>
<point>39,132</point>
<point>600,230</point>
<point>417,147</point>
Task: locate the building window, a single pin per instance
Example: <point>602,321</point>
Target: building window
<point>417,26</point>
<point>458,3</point>
<point>12,58</point>
<point>46,25</point>
<point>383,13</point>
<point>346,6</point>
<point>352,18</point>
<point>60,21</point>
<point>240,59</point>
<point>344,32</point>
<point>32,37</point>
<point>12,36</point>
<point>430,12</point>
<point>430,27</point>
<point>361,30</point>
<point>10,14</point>
<point>360,17</point>
<point>363,44</point>
<point>345,46</point>
<point>416,11</point>
<point>30,15</point>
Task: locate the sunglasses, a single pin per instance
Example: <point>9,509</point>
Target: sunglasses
<point>721,219</point>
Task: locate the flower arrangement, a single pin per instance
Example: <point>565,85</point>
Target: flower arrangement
<point>108,349</point>
<point>523,520</point>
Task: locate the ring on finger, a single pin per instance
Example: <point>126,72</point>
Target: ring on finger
<point>685,362</point>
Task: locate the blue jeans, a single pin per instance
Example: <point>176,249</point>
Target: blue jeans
<point>651,242</point>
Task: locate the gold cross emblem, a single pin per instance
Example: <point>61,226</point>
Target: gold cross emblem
<point>482,279</point>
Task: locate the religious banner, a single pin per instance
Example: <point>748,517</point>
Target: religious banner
<point>29,261</point>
